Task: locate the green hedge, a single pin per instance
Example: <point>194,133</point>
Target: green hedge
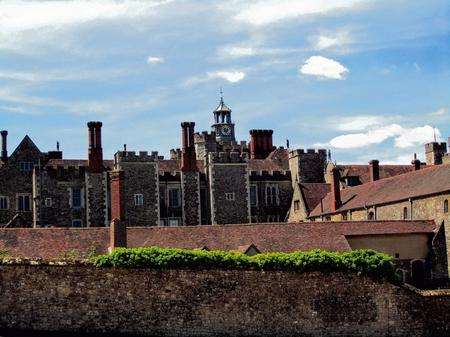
<point>363,262</point>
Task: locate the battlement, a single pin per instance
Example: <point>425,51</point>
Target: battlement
<point>204,136</point>
<point>136,157</point>
<point>261,132</point>
<point>63,172</point>
<point>435,146</point>
<point>228,157</point>
<point>299,152</point>
<point>175,154</point>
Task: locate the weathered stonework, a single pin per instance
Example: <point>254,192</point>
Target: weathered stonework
<point>190,194</point>
<point>229,189</point>
<point>96,199</point>
<point>308,166</point>
<point>214,303</point>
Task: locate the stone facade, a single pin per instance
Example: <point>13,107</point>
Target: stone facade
<point>214,303</point>
<point>190,183</point>
<point>139,188</point>
<point>229,188</point>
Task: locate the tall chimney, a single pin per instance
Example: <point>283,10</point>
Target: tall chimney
<point>416,163</point>
<point>336,189</point>
<point>261,143</point>
<point>95,152</point>
<point>4,155</point>
<point>374,170</point>
<point>188,157</point>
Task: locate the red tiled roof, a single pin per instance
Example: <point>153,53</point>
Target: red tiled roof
<point>277,160</point>
<point>426,181</point>
<point>274,237</point>
<point>313,193</point>
<point>173,165</point>
<point>363,171</point>
<point>76,162</point>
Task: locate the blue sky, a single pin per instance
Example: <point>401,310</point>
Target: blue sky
<point>366,79</point>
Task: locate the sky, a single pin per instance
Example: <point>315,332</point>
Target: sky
<point>365,79</point>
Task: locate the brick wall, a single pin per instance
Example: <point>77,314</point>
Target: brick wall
<point>214,303</point>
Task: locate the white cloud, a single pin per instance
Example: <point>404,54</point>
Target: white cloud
<point>439,112</point>
<point>232,76</point>
<point>19,16</point>
<point>237,51</point>
<point>154,60</point>
<point>331,40</point>
<point>65,74</point>
<point>324,68</point>
<point>263,12</point>
<point>417,135</point>
<point>358,123</point>
<point>403,137</point>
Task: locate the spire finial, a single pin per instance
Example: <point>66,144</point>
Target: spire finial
<point>221,94</point>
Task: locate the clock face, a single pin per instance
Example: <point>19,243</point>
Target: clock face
<point>226,130</point>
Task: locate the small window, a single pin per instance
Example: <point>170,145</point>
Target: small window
<point>23,203</point>
<point>174,222</point>
<point>138,199</point>
<point>371,216</point>
<point>344,216</point>
<point>174,197</point>
<point>26,166</point>
<point>405,213</point>
<point>296,205</point>
<point>253,195</point>
<point>4,203</point>
<point>229,196</point>
<point>48,202</point>
<point>445,206</point>
<point>76,197</point>
<point>77,223</point>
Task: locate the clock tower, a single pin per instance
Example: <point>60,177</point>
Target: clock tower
<point>223,126</point>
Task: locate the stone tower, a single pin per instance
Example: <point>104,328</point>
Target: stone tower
<point>308,166</point>
<point>434,152</point>
<point>229,188</point>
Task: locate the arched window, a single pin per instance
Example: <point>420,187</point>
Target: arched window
<point>445,206</point>
<point>371,216</point>
<point>405,213</point>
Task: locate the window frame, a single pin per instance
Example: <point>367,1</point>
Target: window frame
<point>229,196</point>
<point>26,166</point>
<point>138,199</point>
<point>77,221</point>
<point>178,197</point>
<point>73,198</point>
<point>6,203</point>
<point>255,195</point>
<point>21,197</point>
<point>272,194</point>
<point>446,206</point>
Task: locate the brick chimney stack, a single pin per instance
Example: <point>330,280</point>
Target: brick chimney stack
<point>4,155</point>
<point>416,163</point>
<point>336,189</point>
<point>261,143</point>
<point>95,152</point>
<point>374,170</point>
<point>188,157</point>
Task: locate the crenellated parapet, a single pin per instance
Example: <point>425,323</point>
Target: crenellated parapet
<point>228,158</point>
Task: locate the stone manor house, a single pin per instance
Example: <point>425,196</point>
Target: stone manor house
<point>211,179</point>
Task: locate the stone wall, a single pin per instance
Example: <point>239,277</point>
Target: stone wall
<point>214,303</point>
<point>96,199</point>
<point>308,166</point>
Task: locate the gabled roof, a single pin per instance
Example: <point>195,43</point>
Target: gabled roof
<point>26,143</point>
<point>363,171</point>
<point>427,181</point>
<point>313,193</point>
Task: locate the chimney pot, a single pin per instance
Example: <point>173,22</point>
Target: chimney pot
<point>374,170</point>
<point>4,154</point>
<point>95,151</point>
<point>336,189</point>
